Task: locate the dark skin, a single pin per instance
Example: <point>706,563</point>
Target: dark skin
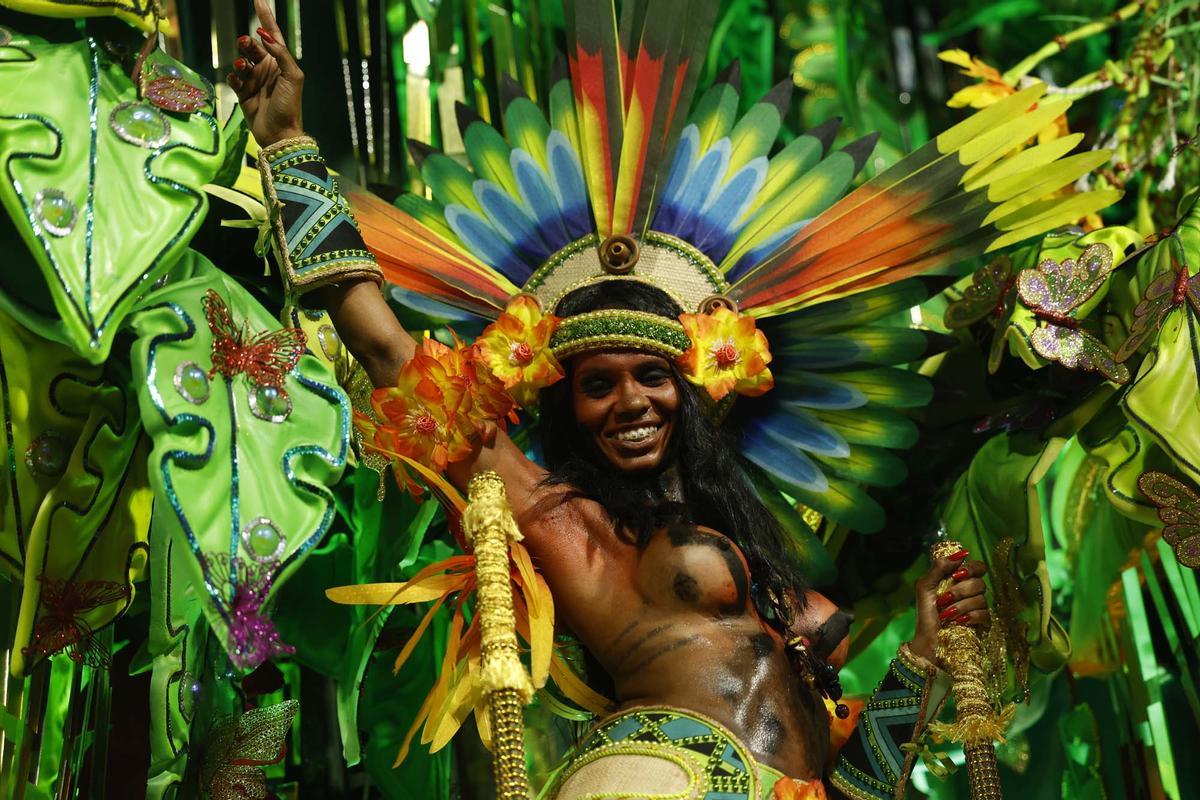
<point>673,623</point>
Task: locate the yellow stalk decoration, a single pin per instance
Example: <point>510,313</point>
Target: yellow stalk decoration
<point>979,724</point>
<point>490,528</point>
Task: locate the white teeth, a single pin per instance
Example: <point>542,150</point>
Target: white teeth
<point>635,435</point>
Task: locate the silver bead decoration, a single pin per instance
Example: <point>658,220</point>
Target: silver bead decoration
<point>270,404</point>
<point>331,343</point>
<point>55,212</point>
<point>263,540</point>
<point>6,36</point>
<point>191,381</point>
<point>166,69</point>
<point>189,693</point>
<point>141,124</point>
<point>47,455</point>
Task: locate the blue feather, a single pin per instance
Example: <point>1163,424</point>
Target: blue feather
<point>510,220</point>
<point>809,390</point>
<point>721,217</point>
<point>790,425</point>
<point>566,175</point>
<point>669,210</point>
<point>534,186</point>
<point>479,235</point>
<point>700,185</point>
<point>789,466</point>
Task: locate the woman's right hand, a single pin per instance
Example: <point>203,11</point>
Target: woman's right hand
<point>268,82</point>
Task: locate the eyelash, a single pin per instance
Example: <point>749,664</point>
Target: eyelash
<point>652,378</point>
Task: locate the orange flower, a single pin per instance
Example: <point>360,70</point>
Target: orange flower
<point>516,348</point>
<point>728,354</point>
<point>489,400</point>
<point>420,414</point>
<point>789,789</point>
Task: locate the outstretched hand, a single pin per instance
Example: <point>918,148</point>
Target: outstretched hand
<point>964,603</point>
<point>268,82</point>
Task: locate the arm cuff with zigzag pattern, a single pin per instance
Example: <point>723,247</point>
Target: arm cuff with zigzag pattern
<point>872,765</point>
<point>316,238</point>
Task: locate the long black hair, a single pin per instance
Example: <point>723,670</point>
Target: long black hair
<point>716,492</point>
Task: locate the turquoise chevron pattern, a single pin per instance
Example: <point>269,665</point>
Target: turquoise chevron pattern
<point>318,236</point>
<point>872,764</point>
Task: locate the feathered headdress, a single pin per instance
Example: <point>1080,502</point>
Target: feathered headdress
<point>629,177</point>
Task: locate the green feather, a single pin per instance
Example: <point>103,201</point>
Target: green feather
<point>527,128</point>
<point>814,559</point>
<point>857,309</point>
<point>786,167</point>
<point>880,427</point>
<point>450,181</point>
<point>428,213</point>
<point>889,386</point>
<point>845,503</point>
<point>490,156</point>
<point>875,345</point>
<point>873,466</point>
<point>715,114</point>
<point>753,136</point>
<point>562,112</point>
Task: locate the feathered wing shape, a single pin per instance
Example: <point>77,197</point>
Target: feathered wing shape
<point>966,192</point>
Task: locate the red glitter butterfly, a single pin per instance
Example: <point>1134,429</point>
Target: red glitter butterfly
<point>62,627</point>
<point>266,358</point>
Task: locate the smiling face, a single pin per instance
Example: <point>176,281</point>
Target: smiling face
<point>627,402</point>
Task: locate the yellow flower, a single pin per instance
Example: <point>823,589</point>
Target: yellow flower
<point>728,354</point>
<point>516,347</point>
<point>991,89</point>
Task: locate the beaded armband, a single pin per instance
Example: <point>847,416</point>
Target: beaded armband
<point>873,765</point>
<point>317,241</point>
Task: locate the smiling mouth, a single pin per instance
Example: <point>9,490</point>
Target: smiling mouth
<point>636,435</point>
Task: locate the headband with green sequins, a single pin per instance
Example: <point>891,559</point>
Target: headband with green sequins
<point>617,328</point>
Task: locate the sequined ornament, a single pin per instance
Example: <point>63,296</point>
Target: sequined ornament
<point>265,358</point>
<point>141,124</point>
<point>191,381</point>
<point>1179,509</point>
<point>270,403</point>
<point>176,94</point>
<point>1053,292</point>
<point>6,36</point>
<point>61,627</point>
<point>47,455</point>
<point>1169,290</point>
<point>252,637</point>
<point>55,212</point>
<point>238,748</point>
<point>263,540</point>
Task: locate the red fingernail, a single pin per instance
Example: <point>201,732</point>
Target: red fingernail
<point>239,63</point>
<point>961,574</point>
<point>948,613</point>
<point>964,619</point>
<point>960,555</point>
<point>243,41</point>
<point>266,37</point>
<point>945,599</point>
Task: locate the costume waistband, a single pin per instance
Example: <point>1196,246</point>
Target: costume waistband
<point>661,752</point>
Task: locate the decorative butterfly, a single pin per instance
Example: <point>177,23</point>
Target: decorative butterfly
<point>1179,509</point>
<point>61,625</point>
<point>992,294</point>
<point>251,634</point>
<point>1052,292</point>
<point>266,358</point>
<point>238,748</point>
<point>1170,289</point>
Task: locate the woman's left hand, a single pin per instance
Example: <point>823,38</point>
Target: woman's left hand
<point>964,603</point>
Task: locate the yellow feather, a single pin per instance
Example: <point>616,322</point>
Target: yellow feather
<point>993,144</point>
<point>990,117</point>
<point>1041,217</point>
<point>1021,190</point>
<point>986,174</point>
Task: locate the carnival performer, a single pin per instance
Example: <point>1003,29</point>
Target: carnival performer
<point>628,286</point>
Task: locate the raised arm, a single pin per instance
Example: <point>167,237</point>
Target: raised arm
<point>322,256</point>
